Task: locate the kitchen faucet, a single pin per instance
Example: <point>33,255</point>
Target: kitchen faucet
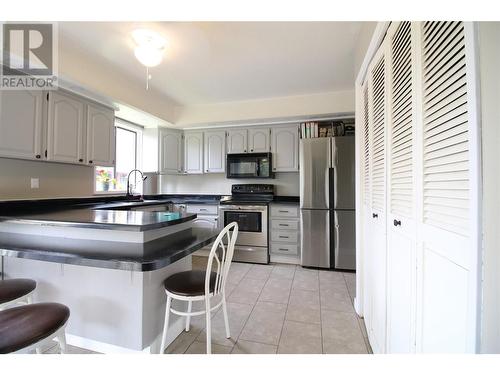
<point>129,193</point>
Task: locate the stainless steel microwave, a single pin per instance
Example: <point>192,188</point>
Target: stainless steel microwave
<point>256,165</point>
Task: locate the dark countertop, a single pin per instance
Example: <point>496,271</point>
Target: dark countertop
<point>187,198</point>
<point>107,212</point>
<point>96,212</point>
<point>138,221</point>
<point>140,257</point>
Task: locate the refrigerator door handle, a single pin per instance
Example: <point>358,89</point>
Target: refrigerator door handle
<point>328,176</point>
<point>330,153</point>
<point>336,239</point>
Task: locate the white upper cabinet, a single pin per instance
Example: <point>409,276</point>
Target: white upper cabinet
<point>100,135</point>
<point>258,140</point>
<point>170,151</point>
<point>215,151</point>
<point>237,141</point>
<point>21,124</point>
<point>193,152</point>
<point>285,148</point>
<point>65,128</point>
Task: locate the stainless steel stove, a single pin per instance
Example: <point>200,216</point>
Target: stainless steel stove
<point>248,206</point>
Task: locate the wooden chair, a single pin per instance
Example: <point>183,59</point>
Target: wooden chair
<point>194,285</point>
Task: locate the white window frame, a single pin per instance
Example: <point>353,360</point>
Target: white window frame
<point>138,130</point>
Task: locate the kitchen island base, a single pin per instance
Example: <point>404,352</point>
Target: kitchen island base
<point>112,310</point>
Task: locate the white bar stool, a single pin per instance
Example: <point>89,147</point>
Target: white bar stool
<point>194,285</point>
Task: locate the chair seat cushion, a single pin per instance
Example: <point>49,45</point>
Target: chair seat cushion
<point>15,288</point>
<point>25,325</point>
<point>189,283</point>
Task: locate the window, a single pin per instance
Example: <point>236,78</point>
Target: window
<point>114,179</point>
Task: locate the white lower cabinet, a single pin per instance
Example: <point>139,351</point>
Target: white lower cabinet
<point>207,217</point>
<point>284,233</point>
<point>21,121</point>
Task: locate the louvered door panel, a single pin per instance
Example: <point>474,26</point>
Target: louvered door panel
<point>378,136</point>
<point>401,224</point>
<point>401,133</point>
<point>366,148</point>
<point>445,143</point>
<point>448,285</point>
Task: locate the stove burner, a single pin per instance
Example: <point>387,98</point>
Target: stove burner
<point>250,194</point>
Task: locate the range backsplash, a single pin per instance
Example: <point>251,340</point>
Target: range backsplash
<point>286,183</point>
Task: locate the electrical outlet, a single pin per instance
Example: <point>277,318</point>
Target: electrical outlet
<point>35,183</point>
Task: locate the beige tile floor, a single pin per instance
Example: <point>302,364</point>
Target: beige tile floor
<point>277,309</point>
<point>281,309</point>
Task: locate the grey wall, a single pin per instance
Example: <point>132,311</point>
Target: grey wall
<point>56,180</point>
<point>286,184</point>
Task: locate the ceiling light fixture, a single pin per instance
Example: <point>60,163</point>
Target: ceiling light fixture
<point>149,49</point>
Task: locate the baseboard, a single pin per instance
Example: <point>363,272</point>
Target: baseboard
<point>101,347</point>
<point>284,259</point>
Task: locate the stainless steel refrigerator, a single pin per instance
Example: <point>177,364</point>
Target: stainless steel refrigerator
<point>327,206</point>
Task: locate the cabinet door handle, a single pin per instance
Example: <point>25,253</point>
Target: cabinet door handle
<point>375,215</point>
<point>397,222</point>
<point>283,249</point>
<point>38,156</point>
<point>80,160</point>
<point>90,161</point>
<point>203,209</point>
<point>284,237</point>
<point>283,225</point>
<point>251,150</point>
<point>283,211</point>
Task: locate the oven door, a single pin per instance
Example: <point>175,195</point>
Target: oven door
<point>252,223</point>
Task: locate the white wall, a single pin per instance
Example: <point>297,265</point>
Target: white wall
<point>362,44</point>
<point>286,184</point>
<point>305,105</point>
<point>489,54</point>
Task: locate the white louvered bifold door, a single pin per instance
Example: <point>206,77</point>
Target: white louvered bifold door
<point>367,211</point>
<point>445,307</point>
<point>401,226</point>
<point>375,219</point>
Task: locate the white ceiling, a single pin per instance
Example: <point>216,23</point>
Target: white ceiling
<point>211,62</point>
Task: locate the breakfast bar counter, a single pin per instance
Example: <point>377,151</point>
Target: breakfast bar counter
<point>107,263</point>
